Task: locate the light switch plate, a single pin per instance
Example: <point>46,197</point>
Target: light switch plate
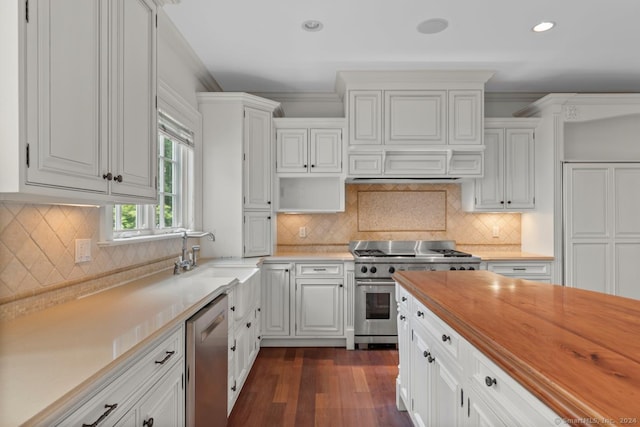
<point>83,250</point>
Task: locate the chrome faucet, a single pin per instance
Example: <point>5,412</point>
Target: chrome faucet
<point>185,262</point>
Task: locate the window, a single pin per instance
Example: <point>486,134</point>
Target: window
<point>175,186</point>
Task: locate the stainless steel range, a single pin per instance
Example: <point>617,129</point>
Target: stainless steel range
<point>376,261</point>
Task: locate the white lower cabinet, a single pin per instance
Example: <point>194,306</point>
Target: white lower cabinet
<point>306,305</point>
<point>444,381</point>
<point>151,387</point>
<point>244,333</point>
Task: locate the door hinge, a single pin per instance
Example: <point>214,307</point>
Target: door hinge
<point>156,102</point>
<point>182,381</point>
<point>461,398</point>
<point>244,156</point>
<point>156,20</point>
<point>27,155</point>
<point>26,10</point>
<point>412,335</point>
<point>244,201</point>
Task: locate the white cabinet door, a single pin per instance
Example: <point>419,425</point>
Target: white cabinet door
<point>164,403</point>
<point>519,169</point>
<point>420,380</point>
<point>480,415</point>
<point>326,150</point>
<point>413,164</point>
<point>415,117</point>
<point>291,151</point>
<point>275,307</point>
<point>465,117</point>
<point>257,233</point>
<point>257,159</point>
<point>365,117</point>
<point>489,191</point>
<point>365,164</point>
<point>133,82</point>
<point>404,351</point>
<point>66,90</point>
<point>319,309</point>
<point>446,402</point>
<point>602,236</point>
<point>241,356</point>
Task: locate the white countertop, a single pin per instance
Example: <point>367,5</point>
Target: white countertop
<point>48,357</point>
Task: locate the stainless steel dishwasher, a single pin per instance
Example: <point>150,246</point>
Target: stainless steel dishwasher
<point>206,351</point>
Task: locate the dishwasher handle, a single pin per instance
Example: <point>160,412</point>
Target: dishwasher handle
<point>211,327</point>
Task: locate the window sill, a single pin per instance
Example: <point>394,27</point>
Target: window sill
<point>139,239</point>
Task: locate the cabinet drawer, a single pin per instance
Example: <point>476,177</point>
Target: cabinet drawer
<point>445,337</point>
<point>114,400</point>
<point>306,270</point>
<point>521,269</point>
<point>498,388</point>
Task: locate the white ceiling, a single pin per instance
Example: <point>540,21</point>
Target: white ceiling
<point>259,46</point>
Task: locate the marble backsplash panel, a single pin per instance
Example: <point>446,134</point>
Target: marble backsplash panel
<point>338,229</point>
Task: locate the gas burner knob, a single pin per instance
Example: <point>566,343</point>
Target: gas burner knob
<point>363,269</point>
<point>452,268</point>
<point>373,269</point>
<point>470,268</point>
<point>462,268</point>
<point>392,270</point>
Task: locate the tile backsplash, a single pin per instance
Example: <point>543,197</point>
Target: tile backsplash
<point>338,229</point>
<point>37,255</point>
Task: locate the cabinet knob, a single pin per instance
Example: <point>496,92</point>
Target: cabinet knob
<point>108,176</point>
<point>502,202</point>
<point>426,353</point>
<point>118,178</point>
<point>269,202</point>
<point>490,381</point>
<point>148,423</point>
<point>402,317</point>
<point>304,166</point>
<point>404,299</point>
<point>420,313</point>
<point>268,217</point>
<point>509,202</point>
<point>313,166</point>
<point>232,308</point>
<point>431,359</point>
<point>249,325</point>
<point>446,338</point>
<point>341,285</point>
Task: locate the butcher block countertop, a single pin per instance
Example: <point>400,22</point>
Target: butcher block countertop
<point>578,351</point>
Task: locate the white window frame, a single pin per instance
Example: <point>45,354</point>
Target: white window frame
<point>173,105</point>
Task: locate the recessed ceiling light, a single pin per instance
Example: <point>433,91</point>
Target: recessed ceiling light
<point>433,26</point>
<point>543,26</point>
<point>312,25</point>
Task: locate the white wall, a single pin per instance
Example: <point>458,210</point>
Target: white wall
<point>608,139</point>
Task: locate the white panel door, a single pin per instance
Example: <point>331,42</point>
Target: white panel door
<point>275,299</point>
<point>420,383</point>
<point>587,202</point>
<point>257,159</point>
<point>257,233</point>
<point>465,117</point>
<point>67,94</point>
<point>133,81</point>
<point>489,191</point>
<point>291,151</point>
<point>404,352</point>
<point>319,307</point>
<point>447,386</point>
<point>626,194</point>
<point>415,117</point>
<point>519,169</point>
<point>589,266</point>
<point>326,150</point>
<point>365,117</point>
<point>627,256</point>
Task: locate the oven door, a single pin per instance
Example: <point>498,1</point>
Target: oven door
<point>375,311</point>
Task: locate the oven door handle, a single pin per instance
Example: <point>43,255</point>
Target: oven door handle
<point>376,283</point>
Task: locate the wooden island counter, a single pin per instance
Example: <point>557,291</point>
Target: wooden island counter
<point>577,351</point>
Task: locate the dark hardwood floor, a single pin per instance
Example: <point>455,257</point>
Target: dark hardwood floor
<point>300,387</point>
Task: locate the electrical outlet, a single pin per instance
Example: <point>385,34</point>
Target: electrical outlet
<point>496,231</point>
<point>83,250</point>
<point>302,232</point>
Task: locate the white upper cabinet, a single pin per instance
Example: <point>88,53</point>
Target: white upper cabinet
<point>508,182</point>
<point>89,126</point>
<point>257,159</point>
<point>308,146</point>
<point>365,117</point>
<point>466,114</point>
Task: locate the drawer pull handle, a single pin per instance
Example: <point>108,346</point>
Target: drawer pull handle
<point>232,308</point>
<point>446,338</point>
<point>490,381</point>
<point>110,409</point>
<point>420,313</point>
<point>319,269</point>
<point>148,423</point>
<point>431,359</point>
<point>519,268</point>
<point>167,357</point>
